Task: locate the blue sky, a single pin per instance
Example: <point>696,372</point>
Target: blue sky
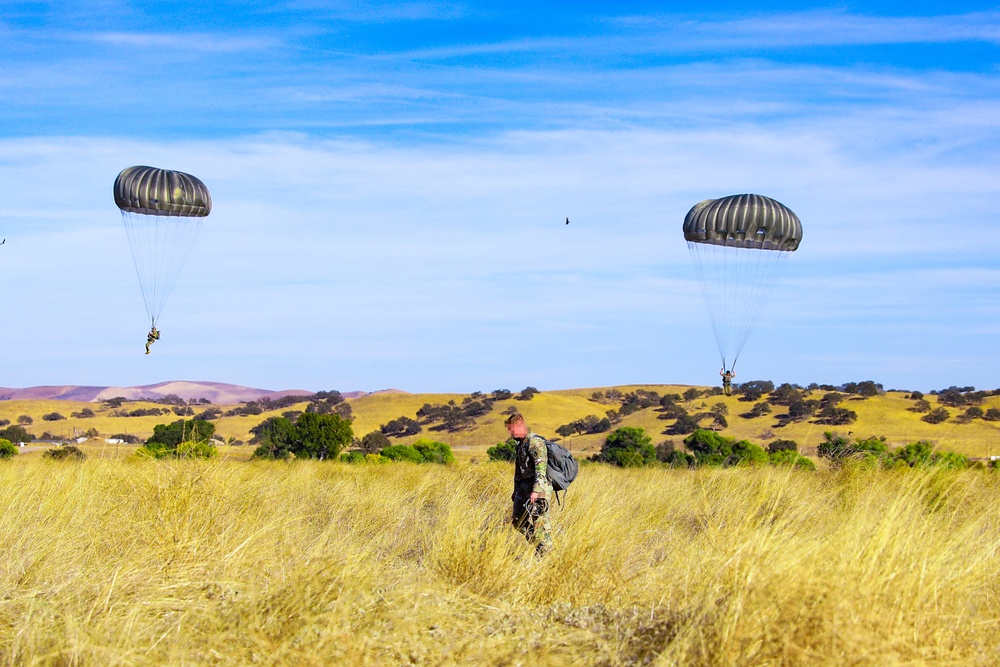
<point>390,182</point>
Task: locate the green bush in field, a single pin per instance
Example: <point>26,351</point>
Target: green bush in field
<point>182,439</point>
<point>433,451</point>
<point>67,453</point>
<point>7,449</point>
<point>712,449</point>
<point>312,436</point>
<point>502,451</point>
<point>402,453</point>
<point>629,447</point>
<point>422,451</point>
<point>790,457</point>
<point>190,449</point>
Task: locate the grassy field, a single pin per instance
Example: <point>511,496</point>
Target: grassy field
<point>884,415</point>
<point>126,562</point>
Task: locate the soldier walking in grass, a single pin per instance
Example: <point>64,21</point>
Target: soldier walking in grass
<point>532,489</point>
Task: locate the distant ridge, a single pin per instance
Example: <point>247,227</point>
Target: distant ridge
<point>219,393</point>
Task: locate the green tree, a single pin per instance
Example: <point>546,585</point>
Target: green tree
<point>321,436</point>
<point>628,446</point>
<point>936,416</point>
<point>374,442</point>
<point>184,439</point>
<point>25,420</point>
<point>16,434</point>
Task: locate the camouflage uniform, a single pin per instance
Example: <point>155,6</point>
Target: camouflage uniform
<point>151,338</point>
<point>530,463</point>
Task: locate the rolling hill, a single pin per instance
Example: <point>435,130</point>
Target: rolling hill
<point>888,415</point>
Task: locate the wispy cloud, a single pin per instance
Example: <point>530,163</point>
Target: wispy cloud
<point>815,28</point>
<point>186,42</point>
<point>371,11</point>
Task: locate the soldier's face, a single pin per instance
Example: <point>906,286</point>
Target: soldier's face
<point>517,430</point>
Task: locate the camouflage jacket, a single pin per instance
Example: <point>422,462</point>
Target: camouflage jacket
<point>530,465</point>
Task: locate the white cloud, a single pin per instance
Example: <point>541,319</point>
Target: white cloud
<point>180,42</point>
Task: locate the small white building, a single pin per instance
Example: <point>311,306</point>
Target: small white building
<point>115,441</point>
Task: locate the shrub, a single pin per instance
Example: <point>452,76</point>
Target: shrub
<point>628,446</point>
<point>179,439</point>
<point>25,420</point>
<point>402,453</point>
<point>7,449</point>
<point>4,422</point>
<point>783,446</point>
<point>501,394</point>
<point>352,457</point>
<point>753,390</point>
<point>838,449</point>
<point>401,427</point>
<point>936,416</point>
<point>791,457</point>
<point>190,449</point>
<point>710,448</point>
<point>502,451</point>
<point>86,413</point>
<point>527,394</point>
<point>374,442</point>
<point>67,453</point>
<point>920,405</point>
<point>433,451</point>
<point>665,451</point>
<point>992,415</point>
<point>691,394</point>
<point>758,410</point>
<point>684,424</point>
<point>835,416</point>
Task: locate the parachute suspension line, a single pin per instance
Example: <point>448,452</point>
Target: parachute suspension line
<point>160,245</point>
<point>705,282</point>
<point>765,266</point>
<point>735,283</point>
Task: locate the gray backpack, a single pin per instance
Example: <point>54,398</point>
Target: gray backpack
<point>561,469</point>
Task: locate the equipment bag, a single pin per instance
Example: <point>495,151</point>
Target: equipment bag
<point>561,469</point>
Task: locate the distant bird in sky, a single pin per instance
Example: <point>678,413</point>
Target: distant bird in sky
<point>567,221</point>
<point>2,242</point>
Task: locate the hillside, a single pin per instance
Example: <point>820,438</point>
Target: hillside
<point>884,415</point>
<point>216,392</point>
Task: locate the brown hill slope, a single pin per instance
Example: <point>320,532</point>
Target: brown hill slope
<point>885,415</point>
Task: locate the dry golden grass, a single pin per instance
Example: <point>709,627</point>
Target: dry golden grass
<point>123,562</point>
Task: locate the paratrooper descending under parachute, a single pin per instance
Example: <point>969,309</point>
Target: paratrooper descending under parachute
<point>162,211</point>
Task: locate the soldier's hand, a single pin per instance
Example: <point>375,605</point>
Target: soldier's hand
<point>533,497</point>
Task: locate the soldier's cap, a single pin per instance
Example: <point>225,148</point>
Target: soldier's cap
<point>513,418</point>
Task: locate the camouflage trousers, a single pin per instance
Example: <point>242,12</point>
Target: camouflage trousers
<point>536,526</point>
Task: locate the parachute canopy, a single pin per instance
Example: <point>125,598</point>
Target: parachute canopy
<point>162,211</point>
<point>743,221</point>
<point>738,244</point>
<point>153,191</point>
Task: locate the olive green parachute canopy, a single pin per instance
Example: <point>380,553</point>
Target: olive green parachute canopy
<point>743,221</point>
<point>153,191</point>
